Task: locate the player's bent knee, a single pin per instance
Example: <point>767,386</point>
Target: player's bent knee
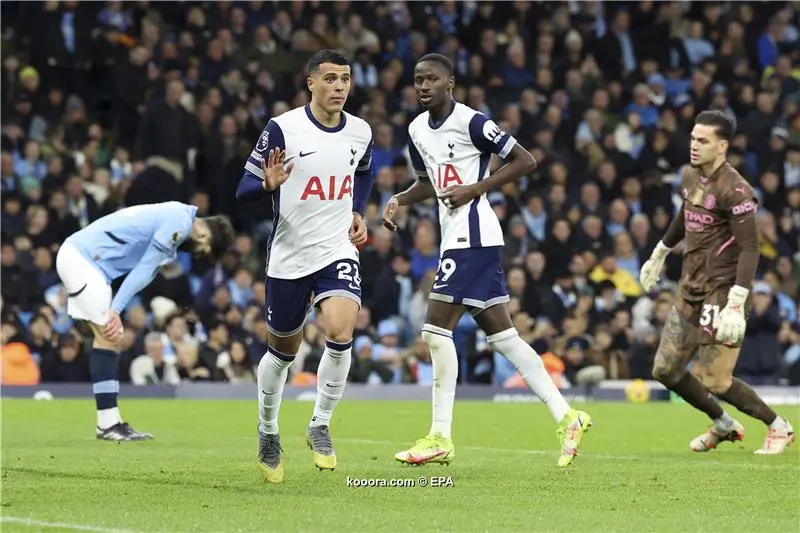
<point>340,333</point>
<point>428,338</point>
<point>665,374</point>
<point>511,345</point>
<point>700,373</point>
<point>504,340</point>
<point>437,339</point>
<point>717,385</point>
<point>286,345</point>
<point>102,342</point>
<point>340,337</point>
<point>340,315</point>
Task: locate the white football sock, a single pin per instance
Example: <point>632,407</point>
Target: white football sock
<point>445,377</point>
<point>331,380</point>
<point>723,423</point>
<point>272,372</point>
<point>108,417</point>
<point>531,368</point>
<point>778,423</point>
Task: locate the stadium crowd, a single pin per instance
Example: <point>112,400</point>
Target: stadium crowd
<point>106,105</point>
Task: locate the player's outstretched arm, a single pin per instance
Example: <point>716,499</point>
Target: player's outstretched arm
<point>487,137</point>
<point>745,232</point>
<point>520,163</point>
<point>362,187</point>
<point>651,269</point>
<point>420,190</point>
<point>140,277</point>
<point>675,231</point>
<point>264,170</point>
<point>744,226</point>
<point>363,180</point>
<point>251,188</point>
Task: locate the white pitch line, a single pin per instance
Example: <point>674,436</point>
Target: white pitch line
<point>32,522</point>
<point>584,456</point>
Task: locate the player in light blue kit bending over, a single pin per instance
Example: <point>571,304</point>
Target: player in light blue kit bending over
<point>135,241</point>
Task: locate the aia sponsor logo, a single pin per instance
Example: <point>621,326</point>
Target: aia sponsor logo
<point>744,207</point>
<point>447,175</point>
<point>333,191</point>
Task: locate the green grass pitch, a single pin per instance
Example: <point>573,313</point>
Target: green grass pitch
<point>635,474</point>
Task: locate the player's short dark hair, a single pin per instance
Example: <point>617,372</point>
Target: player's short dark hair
<point>222,235</point>
<point>723,124</point>
<point>326,56</point>
<point>438,58</point>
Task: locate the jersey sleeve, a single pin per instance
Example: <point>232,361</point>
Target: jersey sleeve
<point>365,162</point>
<point>271,137</point>
<point>362,185</point>
<point>140,277</point>
<point>739,200</point>
<point>487,136</point>
<point>175,229</point>
<point>416,160</point>
<point>172,233</point>
<point>740,205</point>
<point>251,186</point>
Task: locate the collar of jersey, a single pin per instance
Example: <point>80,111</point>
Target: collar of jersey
<point>714,175</point>
<point>322,126</point>
<point>436,125</point>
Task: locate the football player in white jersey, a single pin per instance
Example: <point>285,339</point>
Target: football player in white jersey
<point>451,146</point>
<point>316,163</point>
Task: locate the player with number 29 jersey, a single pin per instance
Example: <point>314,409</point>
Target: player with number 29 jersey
<point>457,151</point>
<point>451,148</point>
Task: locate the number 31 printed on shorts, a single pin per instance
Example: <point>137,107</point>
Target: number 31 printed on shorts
<point>709,315</point>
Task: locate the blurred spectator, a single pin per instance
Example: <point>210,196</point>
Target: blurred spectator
<point>234,364</point>
<point>67,365</point>
<point>151,367</point>
<point>364,368</point>
<point>761,352</point>
<point>40,338</point>
<point>19,366</point>
<point>387,350</point>
<point>217,343</point>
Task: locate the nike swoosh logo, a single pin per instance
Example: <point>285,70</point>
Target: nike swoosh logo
<point>78,292</point>
<point>301,154</point>
<point>419,458</point>
<point>436,287</point>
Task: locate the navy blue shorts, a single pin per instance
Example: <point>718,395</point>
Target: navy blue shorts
<point>472,277</point>
<point>289,300</point>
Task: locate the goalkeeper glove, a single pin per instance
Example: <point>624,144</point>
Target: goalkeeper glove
<point>731,323</point>
<point>651,270</point>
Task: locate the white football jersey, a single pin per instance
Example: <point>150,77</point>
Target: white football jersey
<point>314,207</point>
<point>457,152</point>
